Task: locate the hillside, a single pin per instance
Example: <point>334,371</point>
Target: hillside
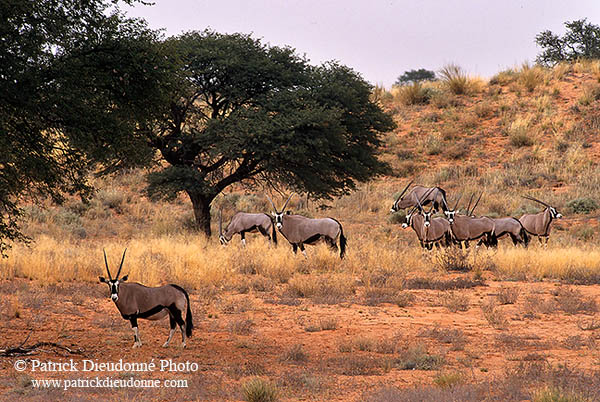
<point>389,322</point>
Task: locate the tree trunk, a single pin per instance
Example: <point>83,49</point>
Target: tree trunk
<point>201,205</point>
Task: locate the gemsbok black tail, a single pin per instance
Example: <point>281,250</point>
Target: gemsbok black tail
<point>343,240</point>
<point>189,324</point>
<point>525,237</point>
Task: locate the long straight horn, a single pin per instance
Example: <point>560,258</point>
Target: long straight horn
<point>457,201</point>
<point>220,222</point>
<point>475,206</point>
<point>404,191</point>
<point>469,204</point>
<point>423,197</point>
<point>106,263</point>
<point>288,200</point>
<point>121,265</point>
<point>536,200</point>
<point>271,201</point>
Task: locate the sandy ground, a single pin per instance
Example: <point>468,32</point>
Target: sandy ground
<point>238,336</point>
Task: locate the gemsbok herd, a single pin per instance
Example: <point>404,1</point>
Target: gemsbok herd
<point>453,228</point>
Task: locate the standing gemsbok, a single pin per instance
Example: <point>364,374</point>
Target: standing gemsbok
<point>466,228</point>
<point>433,195</point>
<point>243,223</point>
<point>429,231</point>
<point>539,224</point>
<point>138,301</point>
<point>502,227</point>
<point>300,230</point>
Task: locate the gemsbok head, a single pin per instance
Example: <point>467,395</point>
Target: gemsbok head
<point>242,223</point>
<point>430,231</point>
<point>300,230</point>
<point>134,301</point>
<point>539,224</point>
<point>425,195</point>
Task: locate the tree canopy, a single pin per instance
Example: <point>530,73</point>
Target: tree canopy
<point>413,76</point>
<point>241,111</point>
<point>581,40</point>
<point>75,78</point>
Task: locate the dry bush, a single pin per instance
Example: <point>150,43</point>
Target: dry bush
<point>576,342</point>
<point>358,365</point>
<point>493,315</point>
<point>365,343</point>
<point>416,357</point>
<point>521,342</point>
<point>329,324</point>
<point>572,301</point>
<point>387,345</point>
<point>531,77</point>
<point>455,79</point>
<point>449,380</point>
<point>504,78</point>
<point>295,354</point>
<point>404,299</point>
<point>455,337</point>
<point>453,259</point>
<point>259,390</point>
<point>508,295</point>
<point>560,70</point>
<point>242,326</point>
<point>235,305</point>
<point>413,94</point>
<point>484,110</point>
<point>376,295</point>
<point>455,301</point>
<point>588,324</point>
<point>434,284</point>
<point>535,304</point>
<point>303,381</point>
<point>519,133</point>
<point>328,289</point>
<point>591,93</point>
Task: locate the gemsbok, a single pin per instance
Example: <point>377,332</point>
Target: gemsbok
<point>512,227</point>
<point>502,227</point>
<point>466,228</point>
<point>243,223</point>
<point>300,230</point>
<point>433,195</point>
<point>539,224</point>
<point>430,231</point>
<point>138,301</point>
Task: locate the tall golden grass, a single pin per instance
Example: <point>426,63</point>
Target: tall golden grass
<point>197,263</point>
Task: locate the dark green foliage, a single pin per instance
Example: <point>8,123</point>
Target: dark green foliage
<point>583,205</point>
<point>413,76</point>
<point>243,111</point>
<point>582,40</point>
<point>75,77</point>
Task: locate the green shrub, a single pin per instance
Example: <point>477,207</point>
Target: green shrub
<point>397,218</point>
<point>583,205</point>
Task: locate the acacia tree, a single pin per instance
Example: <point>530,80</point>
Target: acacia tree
<point>74,80</point>
<point>581,40</point>
<point>412,76</point>
<point>244,111</point>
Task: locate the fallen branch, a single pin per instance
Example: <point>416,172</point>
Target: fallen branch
<point>21,350</point>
